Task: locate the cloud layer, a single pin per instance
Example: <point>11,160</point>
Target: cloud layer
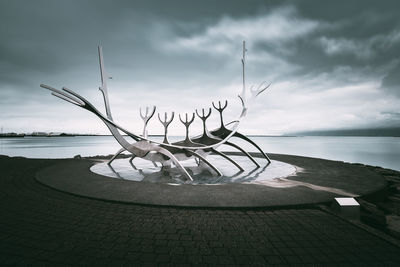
<point>329,68</point>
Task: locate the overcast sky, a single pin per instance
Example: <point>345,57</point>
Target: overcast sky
<point>332,64</point>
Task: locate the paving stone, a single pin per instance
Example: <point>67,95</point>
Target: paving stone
<point>42,226</point>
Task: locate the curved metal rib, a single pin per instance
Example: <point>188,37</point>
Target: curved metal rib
<point>244,152</point>
<point>207,138</point>
<point>251,175</point>
<point>175,160</point>
<point>228,158</point>
<point>222,131</point>
<point>130,161</point>
<point>239,135</point>
<point>205,161</point>
<point>115,156</point>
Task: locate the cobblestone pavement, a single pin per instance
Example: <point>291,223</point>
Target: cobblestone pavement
<point>41,226</point>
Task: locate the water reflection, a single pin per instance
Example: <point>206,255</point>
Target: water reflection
<point>202,174</point>
<point>272,175</point>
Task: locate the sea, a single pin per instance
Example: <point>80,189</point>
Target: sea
<point>375,151</point>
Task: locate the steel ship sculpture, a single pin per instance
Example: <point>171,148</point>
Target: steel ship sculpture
<point>166,153</point>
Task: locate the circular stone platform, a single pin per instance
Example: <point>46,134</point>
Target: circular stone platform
<point>315,181</point>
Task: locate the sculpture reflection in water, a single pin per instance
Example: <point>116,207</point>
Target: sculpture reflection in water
<point>146,172</point>
<point>166,153</point>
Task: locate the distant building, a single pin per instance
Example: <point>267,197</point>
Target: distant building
<point>40,134</point>
<point>12,135</point>
<point>54,134</point>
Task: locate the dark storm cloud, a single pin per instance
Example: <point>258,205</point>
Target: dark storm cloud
<point>194,46</point>
<point>350,33</point>
<point>52,36</point>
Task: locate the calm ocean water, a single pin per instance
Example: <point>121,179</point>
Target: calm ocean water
<point>376,151</point>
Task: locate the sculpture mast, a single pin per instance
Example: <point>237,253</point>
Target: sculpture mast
<point>243,68</point>
<point>103,87</point>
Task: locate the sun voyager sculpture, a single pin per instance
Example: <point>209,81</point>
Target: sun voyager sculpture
<point>173,154</point>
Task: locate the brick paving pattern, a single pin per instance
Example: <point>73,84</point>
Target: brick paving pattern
<point>41,226</point>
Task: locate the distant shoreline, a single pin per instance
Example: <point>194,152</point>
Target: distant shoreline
<point>364,132</point>
<point>381,132</point>
<point>256,135</point>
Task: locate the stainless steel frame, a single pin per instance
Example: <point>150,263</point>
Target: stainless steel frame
<point>166,153</point>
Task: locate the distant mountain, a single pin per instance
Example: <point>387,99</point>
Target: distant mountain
<point>393,131</point>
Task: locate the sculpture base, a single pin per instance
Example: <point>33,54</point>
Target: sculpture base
<point>320,181</point>
<point>146,172</point>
